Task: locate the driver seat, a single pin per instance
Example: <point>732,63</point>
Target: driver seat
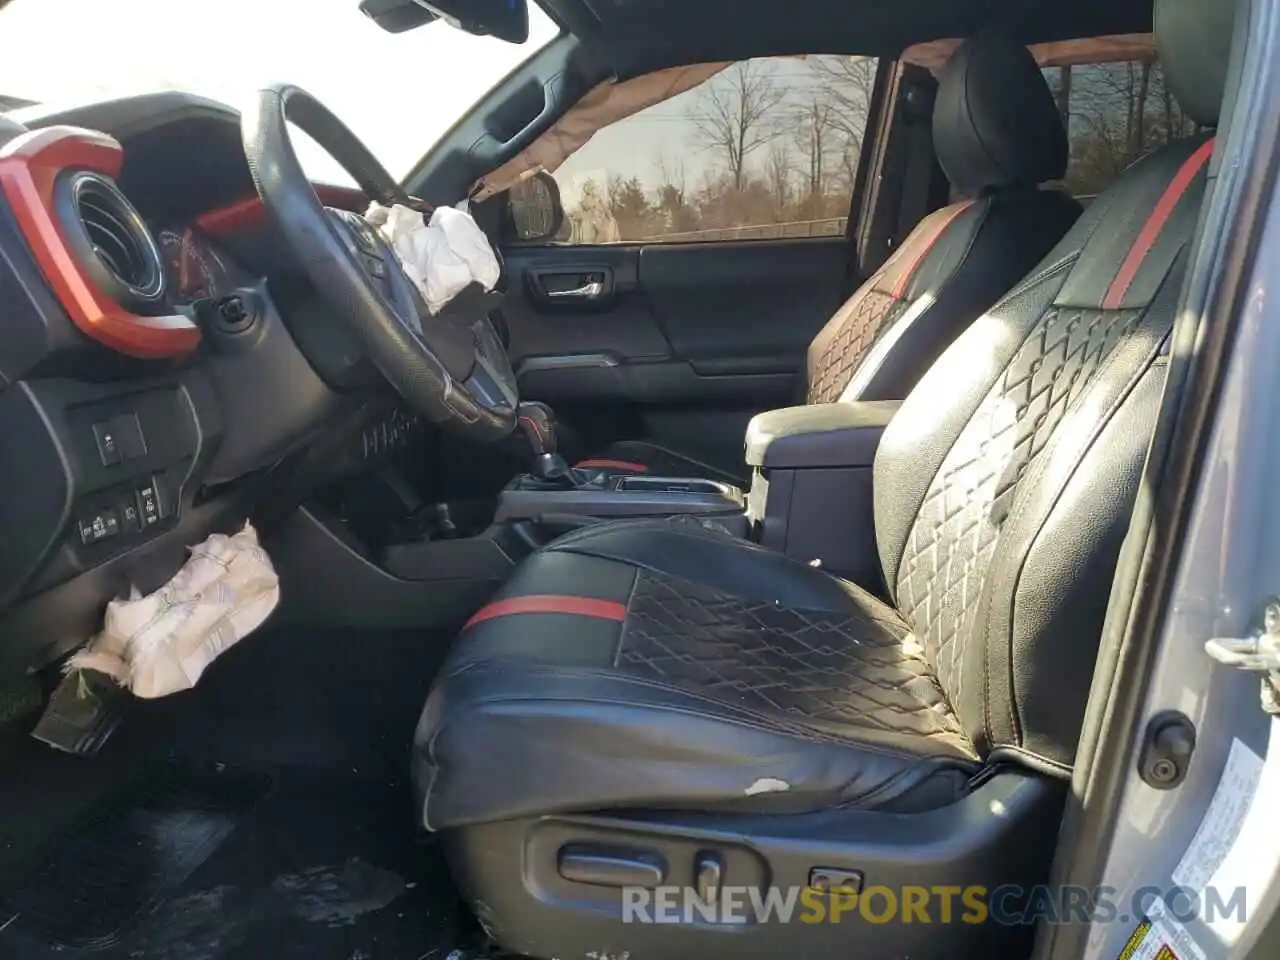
<point>656,704</point>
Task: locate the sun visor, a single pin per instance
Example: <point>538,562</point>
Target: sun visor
<point>606,103</point>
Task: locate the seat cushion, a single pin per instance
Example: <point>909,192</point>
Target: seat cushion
<point>639,456</point>
<point>663,664</point>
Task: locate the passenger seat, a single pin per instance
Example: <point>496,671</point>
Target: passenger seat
<point>998,135</point>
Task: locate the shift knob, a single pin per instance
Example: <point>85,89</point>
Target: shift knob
<point>537,422</point>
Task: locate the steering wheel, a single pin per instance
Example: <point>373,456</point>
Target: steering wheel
<point>451,370</point>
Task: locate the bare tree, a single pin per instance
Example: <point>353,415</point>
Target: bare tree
<point>813,131</point>
<point>671,172</point>
<point>1138,135</point>
<point>777,171</point>
<point>1063,93</point>
<point>736,113</point>
<point>847,85</point>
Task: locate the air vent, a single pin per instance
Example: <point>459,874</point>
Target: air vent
<point>112,241</point>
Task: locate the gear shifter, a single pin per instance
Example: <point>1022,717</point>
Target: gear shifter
<point>537,422</point>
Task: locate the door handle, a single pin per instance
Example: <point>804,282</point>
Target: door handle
<point>569,286</point>
<point>588,291</point>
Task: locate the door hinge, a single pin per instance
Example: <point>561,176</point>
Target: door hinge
<point>1259,653</point>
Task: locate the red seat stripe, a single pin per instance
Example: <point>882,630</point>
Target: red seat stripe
<point>919,248</point>
<point>1155,223</point>
<point>551,603</point>
<point>606,464</point>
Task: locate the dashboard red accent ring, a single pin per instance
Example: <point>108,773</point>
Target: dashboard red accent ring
<point>248,212</point>
<point>30,165</point>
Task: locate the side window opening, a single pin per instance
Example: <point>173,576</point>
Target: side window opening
<point>1112,96</point>
<point>763,149</point>
<point>1114,113</point>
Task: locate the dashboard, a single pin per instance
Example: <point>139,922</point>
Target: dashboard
<point>166,370</point>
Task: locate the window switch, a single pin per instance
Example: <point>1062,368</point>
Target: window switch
<point>104,435</point>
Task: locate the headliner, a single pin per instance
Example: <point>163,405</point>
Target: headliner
<point>638,35</point>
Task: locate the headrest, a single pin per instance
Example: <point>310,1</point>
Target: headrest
<point>995,123</point>
<point>1193,38</point>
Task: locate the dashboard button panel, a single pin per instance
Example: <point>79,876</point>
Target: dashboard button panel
<point>101,525</point>
<point>150,505</point>
<point>130,517</point>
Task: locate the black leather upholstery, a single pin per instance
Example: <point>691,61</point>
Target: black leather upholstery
<point>997,133</point>
<point>739,679</point>
<point>995,124</point>
<point>730,679</point>
<point>1194,42</point>
<point>1004,483</point>
<point>1002,490</point>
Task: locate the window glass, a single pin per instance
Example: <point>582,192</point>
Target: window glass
<point>765,148</point>
<point>1115,113</point>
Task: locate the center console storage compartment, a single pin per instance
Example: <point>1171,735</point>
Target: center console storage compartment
<point>810,493</point>
<point>692,485</point>
<point>611,497</point>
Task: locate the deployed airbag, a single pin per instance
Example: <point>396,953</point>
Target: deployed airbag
<point>161,643</point>
<point>443,256</point>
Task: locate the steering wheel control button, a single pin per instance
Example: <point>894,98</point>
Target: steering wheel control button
<point>377,269</point>
<point>149,504</point>
<point>104,435</point>
<point>364,235</point>
<point>99,526</point>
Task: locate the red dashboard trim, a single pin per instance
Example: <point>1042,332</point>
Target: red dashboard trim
<point>249,213</point>
<point>30,165</point>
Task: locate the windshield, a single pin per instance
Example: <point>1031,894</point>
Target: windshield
<point>398,92</point>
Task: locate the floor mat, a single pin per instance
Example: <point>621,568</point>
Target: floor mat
<point>121,861</point>
<point>328,862</point>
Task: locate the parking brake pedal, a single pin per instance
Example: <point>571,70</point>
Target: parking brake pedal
<point>83,713</point>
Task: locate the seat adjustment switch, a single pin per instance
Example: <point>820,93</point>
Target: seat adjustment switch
<point>708,876</point>
<point>611,867</point>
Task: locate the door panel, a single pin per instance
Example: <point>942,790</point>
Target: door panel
<point>668,342</point>
<point>748,307</point>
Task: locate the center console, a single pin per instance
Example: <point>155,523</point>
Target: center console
<point>810,499</point>
<point>555,496</point>
<point>810,492</point>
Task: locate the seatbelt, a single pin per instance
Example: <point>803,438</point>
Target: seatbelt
<point>918,197</point>
<point>902,181</point>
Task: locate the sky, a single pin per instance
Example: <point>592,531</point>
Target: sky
<point>397,92</point>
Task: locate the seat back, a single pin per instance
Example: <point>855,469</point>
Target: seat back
<point>997,134</point>
<point>1004,486</point>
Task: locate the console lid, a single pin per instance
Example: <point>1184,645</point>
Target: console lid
<point>819,435</point>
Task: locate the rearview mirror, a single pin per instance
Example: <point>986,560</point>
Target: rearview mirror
<point>505,19</point>
<point>534,211</point>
